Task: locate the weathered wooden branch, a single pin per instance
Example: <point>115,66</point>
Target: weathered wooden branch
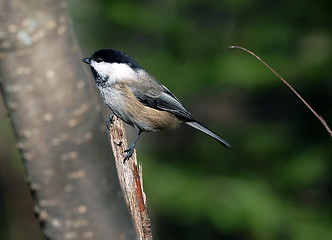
<point>53,111</point>
<point>130,176</point>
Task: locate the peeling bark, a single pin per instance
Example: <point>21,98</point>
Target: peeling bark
<point>131,181</point>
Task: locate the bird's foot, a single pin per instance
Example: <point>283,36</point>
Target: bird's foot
<point>129,152</point>
<point>109,121</point>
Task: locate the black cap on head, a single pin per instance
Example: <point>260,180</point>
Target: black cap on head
<point>114,56</point>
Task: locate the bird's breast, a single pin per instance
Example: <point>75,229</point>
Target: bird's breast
<point>126,106</point>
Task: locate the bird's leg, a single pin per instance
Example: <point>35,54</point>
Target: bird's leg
<point>109,121</point>
<point>130,150</point>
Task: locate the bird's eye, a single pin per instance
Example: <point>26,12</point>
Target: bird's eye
<point>99,59</point>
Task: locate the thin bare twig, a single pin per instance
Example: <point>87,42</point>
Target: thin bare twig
<point>320,118</point>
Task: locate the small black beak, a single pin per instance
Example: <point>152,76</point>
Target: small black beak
<point>86,60</point>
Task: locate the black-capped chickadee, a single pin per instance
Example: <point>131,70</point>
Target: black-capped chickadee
<point>137,97</point>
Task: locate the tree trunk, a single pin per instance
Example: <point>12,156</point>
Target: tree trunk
<point>53,111</point>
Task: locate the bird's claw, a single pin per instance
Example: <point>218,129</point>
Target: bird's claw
<point>129,152</point>
<point>109,121</point>
<point>131,149</point>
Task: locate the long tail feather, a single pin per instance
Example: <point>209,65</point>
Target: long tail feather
<point>209,132</point>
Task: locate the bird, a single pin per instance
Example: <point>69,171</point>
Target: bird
<point>136,97</point>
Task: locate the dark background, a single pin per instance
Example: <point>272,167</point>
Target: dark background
<point>276,183</point>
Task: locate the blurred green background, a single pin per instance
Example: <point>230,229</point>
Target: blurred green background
<point>277,182</point>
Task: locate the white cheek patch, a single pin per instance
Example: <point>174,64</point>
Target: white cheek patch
<point>113,71</point>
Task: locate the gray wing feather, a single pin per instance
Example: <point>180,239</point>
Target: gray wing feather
<point>153,94</point>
